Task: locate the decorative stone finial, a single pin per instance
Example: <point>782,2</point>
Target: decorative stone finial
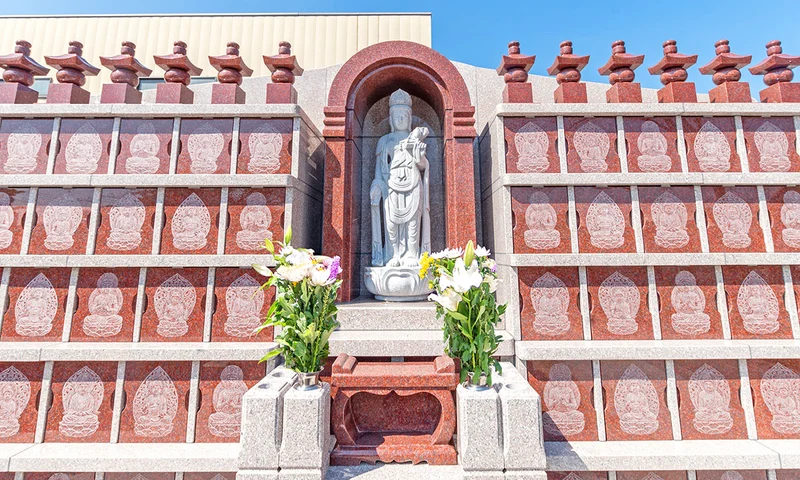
<point>777,71</point>
<point>72,68</point>
<point>177,65</point>
<point>125,74</point>
<point>724,69</point>
<point>620,70</point>
<point>672,69</point>
<point>514,68</point>
<point>231,66</point>
<point>284,69</point>
<point>567,69</point>
<point>18,75</point>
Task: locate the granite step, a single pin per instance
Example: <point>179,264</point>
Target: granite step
<point>133,351</point>
<point>396,471</point>
<point>370,314</point>
<point>399,343</point>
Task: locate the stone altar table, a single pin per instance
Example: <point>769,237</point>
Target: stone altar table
<point>393,412</point>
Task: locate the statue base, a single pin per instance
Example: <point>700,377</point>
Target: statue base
<point>396,284</point>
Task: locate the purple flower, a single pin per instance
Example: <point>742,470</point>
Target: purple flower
<point>334,268</point>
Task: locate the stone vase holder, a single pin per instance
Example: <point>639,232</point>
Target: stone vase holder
<point>393,412</point>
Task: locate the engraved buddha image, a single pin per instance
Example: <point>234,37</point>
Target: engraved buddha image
<point>734,218</point>
<point>790,217</point>
<point>205,146</point>
<point>36,308</point>
<point>15,393</point>
<point>592,145</point>
<point>23,147</point>
<point>780,389</point>
<point>653,147</point>
<point>105,303</point>
<point>191,224</point>
<point>126,219</point>
<point>155,405</point>
<point>670,217</point>
<point>175,300</point>
<point>562,398</point>
<point>62,217</point>
<point>227,417</point>
<point>84,150</point>
<point>81,397</point>
<point>244,300</point>
<point>540,218</point>
<point>265,145</point>
<point>550,299</point>
<point>711,398</point>
<point>255,220</point>
<point>619,300</point>
<point>6,221</point>
<point>689,304</point>
<point>144,148</point>
<point>773,148</point>
<point>532,144</point>
<point>605,223</point>
<point>758,305</point>
<point>636,402</point>
<point>712,149</point>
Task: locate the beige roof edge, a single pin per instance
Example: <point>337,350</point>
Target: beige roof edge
<point>263,14</point>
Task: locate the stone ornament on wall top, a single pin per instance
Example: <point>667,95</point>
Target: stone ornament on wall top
<point>155,405</point>
<point>61,220</point>
<point>710,394</point>
<point>126,219</point>
<point>790,217</point>
<point>670,217</point>
<point>734,218</point>
<point>653,147</point>
<point>532,144</point>
<point>6,221</point>
<point>541,219</point>
<point>780,389</point>
<point>84,150</point>
<point>144,148</point>
<point>244,300</point>
<point>255,219</point>
<point>550,299</point>
<point>758,305</point>
<point>712,149</point>
<point>689,304</point>
<point>205,146</point>
<point>227,417</point>
<point>191,224</point>
<point>605,223</point>
<point>81,397</point>
<point>620,300</point>
<point>105,303</point>
<point>562,398</point>
<point>175,300</point>
<point>22,146</point>
<point>15,393</point>
<point>773,148</point>
<point>36,308</point>
<point>636,402</point>
<point>265,145</point>
<point>400,207</point>
<point>592,145</point>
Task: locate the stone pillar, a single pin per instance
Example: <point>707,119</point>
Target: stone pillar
<point>232,69</point>
<point>778,75</point>
<point>262,426</point>
<point>672,68</point>
<point>71,76</point>
<point>480,434</point>
<point>725,70</point>
<point>620,70</point>
<point>125,73</point>
<point>567,69</point>
<point>178,75</point>
<point>284,69</point>
<point>514,68</point>
<point>19,70</point>
<point>305,444</point>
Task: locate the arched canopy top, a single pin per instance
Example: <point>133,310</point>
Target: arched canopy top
<point>378,70</point>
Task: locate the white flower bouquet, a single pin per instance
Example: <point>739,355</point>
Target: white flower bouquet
<point>464,282</point>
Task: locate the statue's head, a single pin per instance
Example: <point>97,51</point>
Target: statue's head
<point>400,111</point>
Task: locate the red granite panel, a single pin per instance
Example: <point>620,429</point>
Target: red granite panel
<point>132,476</point>
<point>652,144</point>
<point>176,303</point>
<point>732,475</point>
<point>650,475</point>
<point>222,385</point>
<point>266,146</point>
<point>253,215</point>
<point>550,306</point>
<point>566,389</point>
<point>755,302</point>
<point>105,305</point>
<point>531,145</point>
<point>618,303</point>
<point>192,219</point>
<point>83,402</point>
<point>209,476</point>
<point>776,397</point>
<point>787,474</point>
<point>668,219</point>
<point>783,207</point>
<point>84,145</point>
<point>711,144</point>
<point>771,144</point>
<point>59,476</point>
<point>22,384</point>
<point>156,399</point>
<point>604,220</point>
<point>635,398</point>
<point>125,226</point>
<point>205,146</point>
<point>61,226</point>
<point>240,306</point>
<point>539,219</point>
<point>37,298</point>
<point>591,144</point>
<point>145,146</point>
<point>7,475</point>
<point>24,145</point>
<point>732,219</point>
<point>577,476</point>
<point>687,302</point>
<point>13,207</point>
<point>708,399</point>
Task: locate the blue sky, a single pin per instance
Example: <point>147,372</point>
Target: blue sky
<point>477,32</point>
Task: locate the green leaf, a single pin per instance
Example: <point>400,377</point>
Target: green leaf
<point>262,270</point>
<point>269,245</point>
<point>287,237</point>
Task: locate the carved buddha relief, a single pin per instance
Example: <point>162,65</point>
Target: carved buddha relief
<point>652,145</point>
<point>36,308</point>
<point>155,405</point>
<point>532,144</point>
<point>191,224</point>
<point>562,399</point>
<point>61,220</point>
<point>712,149</point>
<point>541,219</point>
<point>126,219</point>
<point>144,147</point>
<point>255,220</point>
<point>710,394</point>
<point>22,147</point>
<point>734,218</point>
<point>780,389</point>
<point>84,150</point>
<point>773,148</point>
<point>758,305</point>
<point>175,300</point>
<point>790,217</point>
<point>105,303</point>
<point>636,402</point>
<point>15,393</point>
<point>619,300</point>
<point>244,300</point>
<point>81,397</point>
<point>592,145</point>
<point>670,217</point>
<point>550,300</point>
<point>205,146</point>
<point>265,145</point>
<point>689,304</point>
<point>6,221</point>
<point>605,223</point>
<point>227,417</point>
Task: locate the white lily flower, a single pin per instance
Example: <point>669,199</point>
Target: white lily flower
<point>293,273</point>
<point>320,275</point>
<point>482,252</point>
<point>454,252</point>
<point>298,257</point>
<point>449,299</point>
<point>463,278</point>
<point>492,282</point>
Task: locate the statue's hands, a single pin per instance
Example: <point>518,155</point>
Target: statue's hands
<point>375,195</point>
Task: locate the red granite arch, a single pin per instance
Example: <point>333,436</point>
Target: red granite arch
<point>368,76</point>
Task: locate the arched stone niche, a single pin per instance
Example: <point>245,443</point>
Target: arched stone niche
<point>358,94</point>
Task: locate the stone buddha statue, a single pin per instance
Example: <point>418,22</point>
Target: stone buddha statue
<point>689,304</point>
<point>6,220</point>
<point>790,217</point>
<point>22,146</point>
<point>399,205</point>
<point>255,220</point>
<point>653,147</point>
<point>562,398</point>
<point>105,303</point>
<point>540,218</point>
<point>227,417</point>
<point>144,150</point>
<point>81,397</point>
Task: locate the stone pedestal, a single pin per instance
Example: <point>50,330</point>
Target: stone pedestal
<point>67,93</point>
<point>571,93</point>
<point>120,93</point>
<point>305,444</point>
<point>523,439</point>
<point>730,92</point>
<point>518,93</point>
<point>480,435</point>
<point>624,93</point>
<point>678,92</point>
<point>17,93</point>
<point>393,412</point>
<point>227,94</point>
<point>781,93</point>
<point>396,284</point>
<point>174,93</point>
<point>279,93</point>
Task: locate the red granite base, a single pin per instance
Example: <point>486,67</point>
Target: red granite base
<point>381,452</point>
<point>518,93</point>
<point>678,92</point>
<point>571,93</point>
<point>67,93</point>
<point>120,93</point>
<point>17,93</point>
<point>227,94</point>
<point>624,93</point>
<point>730,92</point>
<point>781,93</point>
<point>281,93</point>
<point>173,93</point>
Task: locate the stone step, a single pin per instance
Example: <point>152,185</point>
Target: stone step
<point>656,349</point>
<point>396,471</point>
<point>371,314</point>
<point>399,343</point>
<point>133,351</point>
